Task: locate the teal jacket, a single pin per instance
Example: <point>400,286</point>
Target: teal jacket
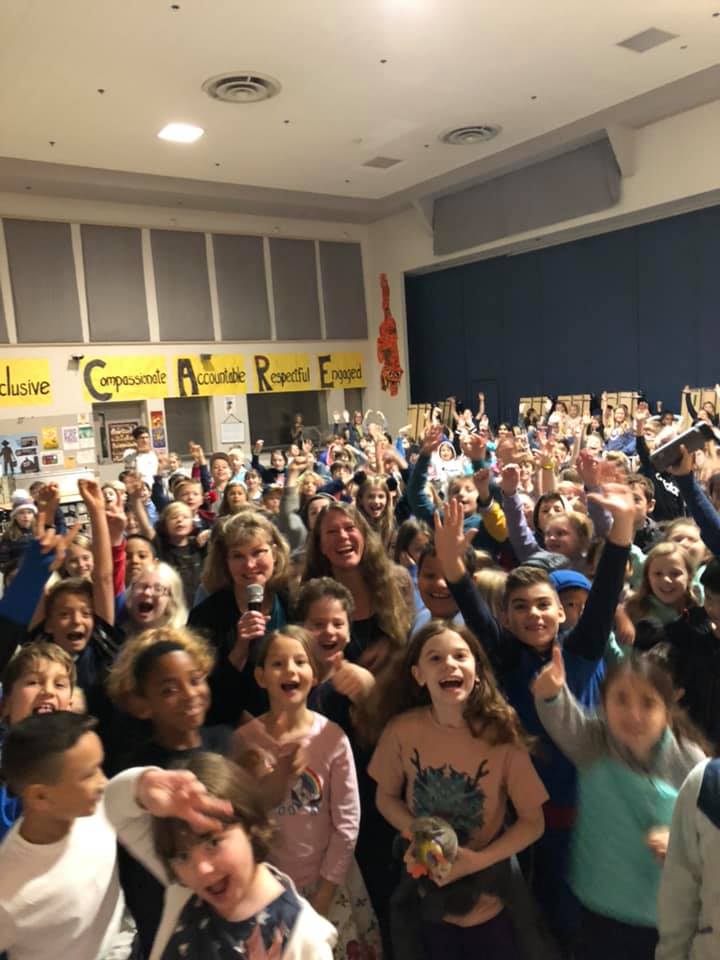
<point>612,870</point>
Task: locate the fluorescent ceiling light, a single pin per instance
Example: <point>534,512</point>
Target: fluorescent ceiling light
<point>181,133</point>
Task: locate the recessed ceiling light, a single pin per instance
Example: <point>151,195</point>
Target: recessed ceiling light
<point>181,133</point>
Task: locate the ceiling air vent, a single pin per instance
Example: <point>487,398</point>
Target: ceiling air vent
<point>642,42</point>
<point>241,87</point>
<point>465,136</point>
<point>381,163</point>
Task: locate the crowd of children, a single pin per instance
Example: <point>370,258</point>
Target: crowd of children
<point>287,665</point>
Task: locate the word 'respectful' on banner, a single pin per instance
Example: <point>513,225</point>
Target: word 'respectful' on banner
<point>215,374</point>
<point>109,379</point>
<point>340,370</point>
<point>281,373</point>
<point>24,383</point>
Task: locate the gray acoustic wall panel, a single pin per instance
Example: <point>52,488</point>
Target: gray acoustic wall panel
<point>115,284</point>
<point>294,279</point>
<point>3,321</point>
<point>343,291</point>
<point>44,285</point>
<point>571,185</point>
<point>182,285</point>
<point>242,292</point>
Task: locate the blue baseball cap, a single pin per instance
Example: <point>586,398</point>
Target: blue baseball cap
<point>569,580</point>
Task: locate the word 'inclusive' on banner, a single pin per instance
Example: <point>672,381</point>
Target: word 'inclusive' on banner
<point>25,382</point>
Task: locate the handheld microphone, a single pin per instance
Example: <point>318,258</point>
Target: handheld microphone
<point>254,595</point>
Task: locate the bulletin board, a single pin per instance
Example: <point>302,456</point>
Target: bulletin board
<point>57,448</point>
<point>120,438</point>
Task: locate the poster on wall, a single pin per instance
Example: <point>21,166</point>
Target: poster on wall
<point>209,375</point>
<point>70,440</point>
<point>340,371</point>
<point>86,436</point>
<point>109,379</point>
<point>120,438</point>
<point>50,440</point>
<point>281,372</point>
<point>19,454</point>
<point>157,429</point>
<point>54,459</point>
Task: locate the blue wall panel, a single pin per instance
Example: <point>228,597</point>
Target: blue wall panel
<point>634,309</point>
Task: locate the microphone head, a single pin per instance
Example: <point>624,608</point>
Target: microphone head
<point>255,593</point>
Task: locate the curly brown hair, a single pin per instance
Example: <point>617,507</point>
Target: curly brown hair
<point>487,713</point>
<point>383,578</point>
<point>247,525</point>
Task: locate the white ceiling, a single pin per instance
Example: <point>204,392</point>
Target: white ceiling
<point>449,63</point>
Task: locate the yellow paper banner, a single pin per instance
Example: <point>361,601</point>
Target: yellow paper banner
<point>214,375</point>
<point>281,372</point>
<point>110,379</point>
<point>25,383</point>
<point>340,370</point>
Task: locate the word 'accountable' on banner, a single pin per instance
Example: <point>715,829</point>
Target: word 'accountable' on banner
<point>24,383</point>
<point>210,375</point>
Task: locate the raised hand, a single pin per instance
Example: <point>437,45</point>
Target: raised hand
<point>684,465</point>
<point>481,479</point>
<point>475,447</point>
<point>92,495</point>
<point>450,541</point>
<point>551,679</point>
<point>350,679</point>
<point>134,486</point>
<point>432,438</point>
<point>196,452</point>
<point>178,793</point>
<point>617,499</point>
<point>588,468</point>
<point>510,480</point>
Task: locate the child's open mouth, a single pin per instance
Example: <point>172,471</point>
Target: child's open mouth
<point>452,683</point>
<point>44,708</point>
<point>75,637</point>
<point>145,606</point>
<point>218,889</point>
<point>290,687</point>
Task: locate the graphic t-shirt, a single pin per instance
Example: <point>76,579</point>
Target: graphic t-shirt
<point>447,772</point>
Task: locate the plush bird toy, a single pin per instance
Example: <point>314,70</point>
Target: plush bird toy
<point>433,848</point>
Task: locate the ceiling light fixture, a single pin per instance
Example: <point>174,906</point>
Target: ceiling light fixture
<point>471,134</point>
<point>181,133</point>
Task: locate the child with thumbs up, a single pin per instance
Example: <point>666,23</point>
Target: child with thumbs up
<point>631,760</point>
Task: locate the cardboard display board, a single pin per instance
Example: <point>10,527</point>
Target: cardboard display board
<point>698,396</point>
<point>419,415</point>
<point>613,398</point>
<point>583,401</point>
<point>538,404</point>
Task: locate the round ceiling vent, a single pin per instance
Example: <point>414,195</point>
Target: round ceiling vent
<point>465,136</point>
<point>241,87</point>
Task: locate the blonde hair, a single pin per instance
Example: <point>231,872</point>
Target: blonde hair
<point>121,683</point>
<point>490,583</point>
<point>239,529</point>
<point>638,605</point>
<point>177,613</point>
<point>580,522</point>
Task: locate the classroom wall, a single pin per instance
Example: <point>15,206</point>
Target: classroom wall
<point>310,263</point>
<point>676,170</point>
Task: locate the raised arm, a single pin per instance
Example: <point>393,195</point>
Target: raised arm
<point>102,580</point>
<point>420,503</point>
<point>451,546</point>
<point>701,509</point>
<point>521,537</point>
<point>590,636</point>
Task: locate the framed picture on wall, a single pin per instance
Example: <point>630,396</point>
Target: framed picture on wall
<point>120,438</point>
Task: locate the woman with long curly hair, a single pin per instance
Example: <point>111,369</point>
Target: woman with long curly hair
<point>342,545</point>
